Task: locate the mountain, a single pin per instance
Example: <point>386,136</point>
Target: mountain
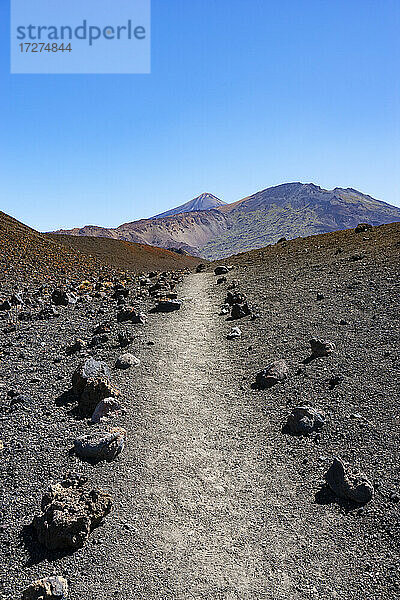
<point>203,202</point>
<point>289,210</point>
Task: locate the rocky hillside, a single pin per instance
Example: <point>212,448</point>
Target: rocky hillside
<point>289,210</point>
<point>203,202</point>
<point>27,255</point>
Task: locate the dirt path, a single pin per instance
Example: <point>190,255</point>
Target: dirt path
<point>202,459</point>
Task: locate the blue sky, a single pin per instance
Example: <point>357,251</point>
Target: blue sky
<point>244,94</point>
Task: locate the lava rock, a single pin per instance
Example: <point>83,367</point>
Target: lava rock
<point>91,384</point>
<point>221,280</point>
<point>235,332</point>
<point>240,310</point>
<point>273,373</point>
<point>221,270</point>
<point>102,445</point>
<point>167,305</point>
<point>346,482</point>
<point>362,227</point>
<point>5,305</point>
<point>131,314</point>
<point>200,268</point>
<point>321,347</point>
<point>61,297</point>
<point>107,408</point>
<point>127,360</point>
<point>235,298</point>
<point>304,420</point>
<point>125,339</point>
<point>55,588</point>
<point>70,510</point>
<point>76,346</point>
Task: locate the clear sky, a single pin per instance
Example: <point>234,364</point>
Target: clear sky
<point>244,94</point>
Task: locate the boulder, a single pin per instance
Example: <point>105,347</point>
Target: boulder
<point>55,588</point>
<point>304,420</point>
<point>91,384</point>
<point>129,313</point>
<point>240,310</point>
<point>321,347</point>
<point>273,373</point>
<point>221,270</point>
<point>362,227</point>
<point>235,298</point>
<point>127,360</point>
<point>76,346</point>
<point>106,409</point>
<point>200,268</point>
<point>168,305</point>
<point>347,482</point>
<point>221,280</point>
<point>235,332</point>
<point>5,305</point>
<point>125,339</point>
<point>70,510</point>
<point>61,297</point>
<point>101,445</point>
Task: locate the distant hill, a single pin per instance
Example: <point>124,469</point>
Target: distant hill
<point>203,202</point>
<point>289,210</point>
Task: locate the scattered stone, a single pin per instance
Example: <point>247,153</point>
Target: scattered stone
<point>76,346</point>
<point>46,589</point>
<point>321,347</point>
<point>102,445</point>
<point>70,510</point>
<point>167,305</point>
<point>48,312</point>
<point>5,305</point>
<point>127,360</point>
<point>131,314</point>
<point>273,373</point>
<point>106,409</point>
<point>235,298</point>
<point>99,339</point>
<point>320,296</point>
<point>125,339</point>
<point>235,332</point>
<point>221,280</point>
<point>282,239</point>
<point>304,420</point>
<point>347,482</point>
<point>61,297</point>
<point>225,308</point>
<point>200,268</point>
<point>240,310</point>
<point>91,384</point>
<point>362,227</point>
<point>221,270</point>
<point>335,380</point>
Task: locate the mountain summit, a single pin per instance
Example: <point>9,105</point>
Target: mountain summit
<point>203,202</point>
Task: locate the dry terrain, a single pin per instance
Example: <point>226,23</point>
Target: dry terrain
<point>212,500</point>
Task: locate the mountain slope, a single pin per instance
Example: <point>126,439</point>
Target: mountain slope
<point>203,202</point>
<point>289,210</point>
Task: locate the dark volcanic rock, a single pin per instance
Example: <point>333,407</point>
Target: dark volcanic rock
<point>61,297</point>
<point>362,227</point>
<point>107,408</point>
<point>102,445</point>
<point>347,482</point>
<point>200,268</point>
<point>70,510</point>
<point>91,384</point>
<point>303,420</point>
<point>235,298</point>
<point>273,373</point>
<point>240,310</point>
<point>167,305</point>
<point>131,314</point>
<point>49,588</point>
<point>321,347</point>
<point>221,280</point>
<point>221,270</point>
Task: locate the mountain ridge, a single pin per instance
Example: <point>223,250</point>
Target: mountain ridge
<point>287,210</point>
